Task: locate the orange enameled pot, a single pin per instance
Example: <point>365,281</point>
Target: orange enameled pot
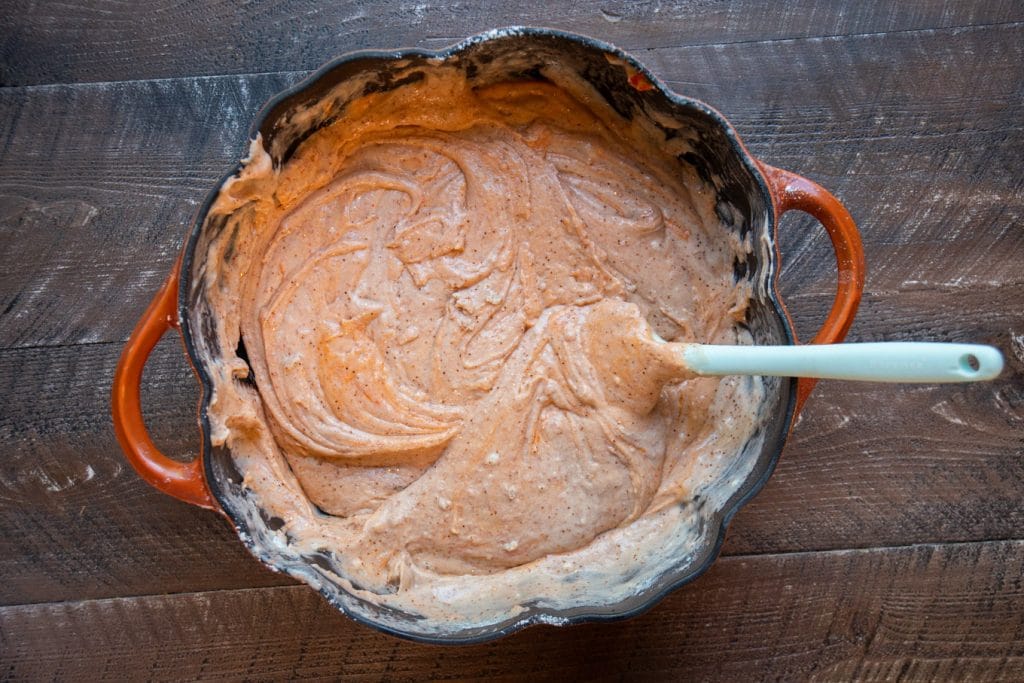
<point>755,194</point>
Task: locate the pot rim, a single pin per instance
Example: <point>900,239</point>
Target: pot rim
<point>722,518</point>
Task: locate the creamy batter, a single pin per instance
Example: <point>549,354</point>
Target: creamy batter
<point>447,299</point>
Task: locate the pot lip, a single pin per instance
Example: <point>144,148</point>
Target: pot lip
<point>722,518</point>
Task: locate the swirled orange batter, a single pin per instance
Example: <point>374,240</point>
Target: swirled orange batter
<point>447,299</point>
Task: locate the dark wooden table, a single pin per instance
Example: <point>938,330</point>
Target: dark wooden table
<point>888,546</point>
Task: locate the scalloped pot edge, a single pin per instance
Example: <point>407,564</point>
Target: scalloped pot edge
<point>694,133</point>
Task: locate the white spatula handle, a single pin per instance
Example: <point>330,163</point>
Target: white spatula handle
<point>877,362</point>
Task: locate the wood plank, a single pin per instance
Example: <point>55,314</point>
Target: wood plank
<point>77,521</point>
<point>98,182</point>
<point>911,112</point>
<point>947,612</point>
<point>867,465</point>
<point>97,189</point>
<point>91,220</point>
<point>877,465</point>
<point>47,42</point>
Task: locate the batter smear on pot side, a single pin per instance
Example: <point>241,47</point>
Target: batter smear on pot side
<point>447,303</point>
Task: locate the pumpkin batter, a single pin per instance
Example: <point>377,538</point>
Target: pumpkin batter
<point>452,389</point>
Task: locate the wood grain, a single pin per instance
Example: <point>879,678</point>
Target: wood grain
<point>95,203</point>
<point>46,42</point>
<point>889,544</point>
<point>99,180</point>
<point>951,612</point>
<point>98,185</point>
<point>77,521</point>
<point>868,465</point>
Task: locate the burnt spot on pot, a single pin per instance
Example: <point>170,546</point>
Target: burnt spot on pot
<point>384,81</point>
<point>723,212</point>
<point>236,218</point>
<point>699,165</point>
<point>289,152</point>
<point>229,249</point>
<point>740,270</point>
<point>226,471</point>
<point>214,225</point>
<point>208,329</point>
<point>701,517</point>
<point>669,132</point>
<point>322,560</point>
<point>530,73</point>
<point>759,432</point>
<point>273,523</point>
<point>619,99</point>
<point>387,81</point>
<point>731,202</point>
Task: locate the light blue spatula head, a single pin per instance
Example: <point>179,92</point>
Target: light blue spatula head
<point>917,362</point>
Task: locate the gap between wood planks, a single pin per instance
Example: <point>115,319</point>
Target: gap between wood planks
<point>302,73</point>
<point>721,559</point>
<point>830,36</point>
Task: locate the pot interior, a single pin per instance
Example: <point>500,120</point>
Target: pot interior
<point>693,133</point>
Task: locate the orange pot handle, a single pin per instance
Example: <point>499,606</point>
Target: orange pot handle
<point>183,480</point>
<point>790,191</point>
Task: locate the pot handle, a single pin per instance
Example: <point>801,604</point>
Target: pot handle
<point>790,191</point>
<point>183,480</point>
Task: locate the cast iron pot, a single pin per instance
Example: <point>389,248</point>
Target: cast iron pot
<point>750,198</point>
